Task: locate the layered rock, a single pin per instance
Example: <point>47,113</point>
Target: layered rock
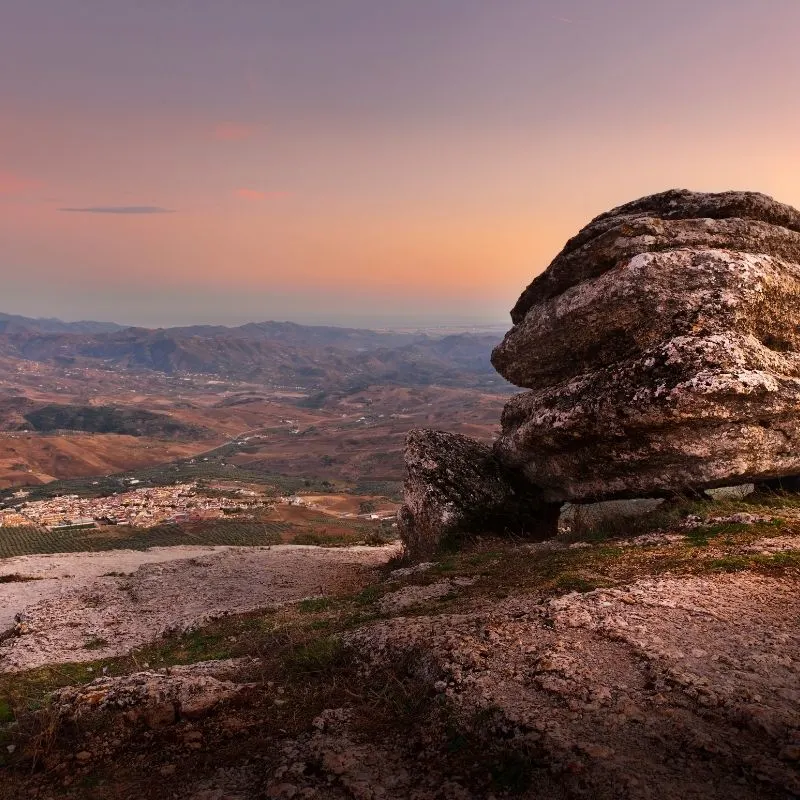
<point>456,486</point>
<point>663,350</point>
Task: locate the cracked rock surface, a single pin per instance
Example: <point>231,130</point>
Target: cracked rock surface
<point>668,688</point>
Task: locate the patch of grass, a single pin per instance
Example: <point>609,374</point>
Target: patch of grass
<point>772,499</point>
<point>596,524</point>
<point>446,565</point>
<point>314,604</point>
<point>701,536</point>
<point>318,655</point>
<point>572,582</point>
<point>369,595</point>
<point>6,713</point>
<point>731,563</point>
<point>483,558</point>
<point>202,644</point>
<point>786,559</point>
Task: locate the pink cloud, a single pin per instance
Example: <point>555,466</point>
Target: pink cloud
<point>232,132</point>
<point>16,184</point>
<point>250,194</point>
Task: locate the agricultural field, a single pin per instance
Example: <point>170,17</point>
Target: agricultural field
<point>30,540</point>
<point>293,526</point>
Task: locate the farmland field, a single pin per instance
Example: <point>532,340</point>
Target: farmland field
<point>32,539</point>
<point>317,529</point>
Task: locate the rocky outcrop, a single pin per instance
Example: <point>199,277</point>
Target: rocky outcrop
<point>689,681</point>
<point>456,486</point>
<point>662,350</point>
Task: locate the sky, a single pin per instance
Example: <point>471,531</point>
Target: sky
<point>376,162</point>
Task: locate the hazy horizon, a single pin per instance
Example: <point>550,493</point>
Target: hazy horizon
<point>171,163</point>
<point>370,322</point>
<point>231,318</point>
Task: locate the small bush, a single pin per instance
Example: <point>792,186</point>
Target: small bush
<point>15,577</point>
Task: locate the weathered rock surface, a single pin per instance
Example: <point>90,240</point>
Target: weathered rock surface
<point>663,351</point>
<point>114,615</point>
<point>456,486</point>
<point>156,697</point>
<point>666,688</point>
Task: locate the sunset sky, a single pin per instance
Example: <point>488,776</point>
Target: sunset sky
<point>362,161</point>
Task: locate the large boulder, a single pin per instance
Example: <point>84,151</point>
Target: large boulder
<point>662,348</point>
<point>456,486</point>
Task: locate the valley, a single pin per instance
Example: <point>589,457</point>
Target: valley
<point>315,403</point>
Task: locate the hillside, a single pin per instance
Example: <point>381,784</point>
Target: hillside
<point>628,658</point>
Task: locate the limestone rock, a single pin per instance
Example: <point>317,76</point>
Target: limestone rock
<point>456,486</point>
<point>155,697</point>
<point>663,351</point>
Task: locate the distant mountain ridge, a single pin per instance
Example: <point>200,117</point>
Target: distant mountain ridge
<point>273,353</point>
<point>14,322</point>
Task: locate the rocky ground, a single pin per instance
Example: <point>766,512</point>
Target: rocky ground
<point>72,611</point>
<point>652,658</point>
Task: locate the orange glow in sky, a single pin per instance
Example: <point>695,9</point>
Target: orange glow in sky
<point>360,160</point>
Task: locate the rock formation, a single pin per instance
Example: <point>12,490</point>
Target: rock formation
<point>456,486</point>
<point>662,351</point>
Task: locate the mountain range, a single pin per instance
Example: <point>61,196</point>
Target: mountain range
<point>281,354</point>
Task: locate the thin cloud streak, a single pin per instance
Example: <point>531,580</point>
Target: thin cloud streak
<point>120,210</point>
